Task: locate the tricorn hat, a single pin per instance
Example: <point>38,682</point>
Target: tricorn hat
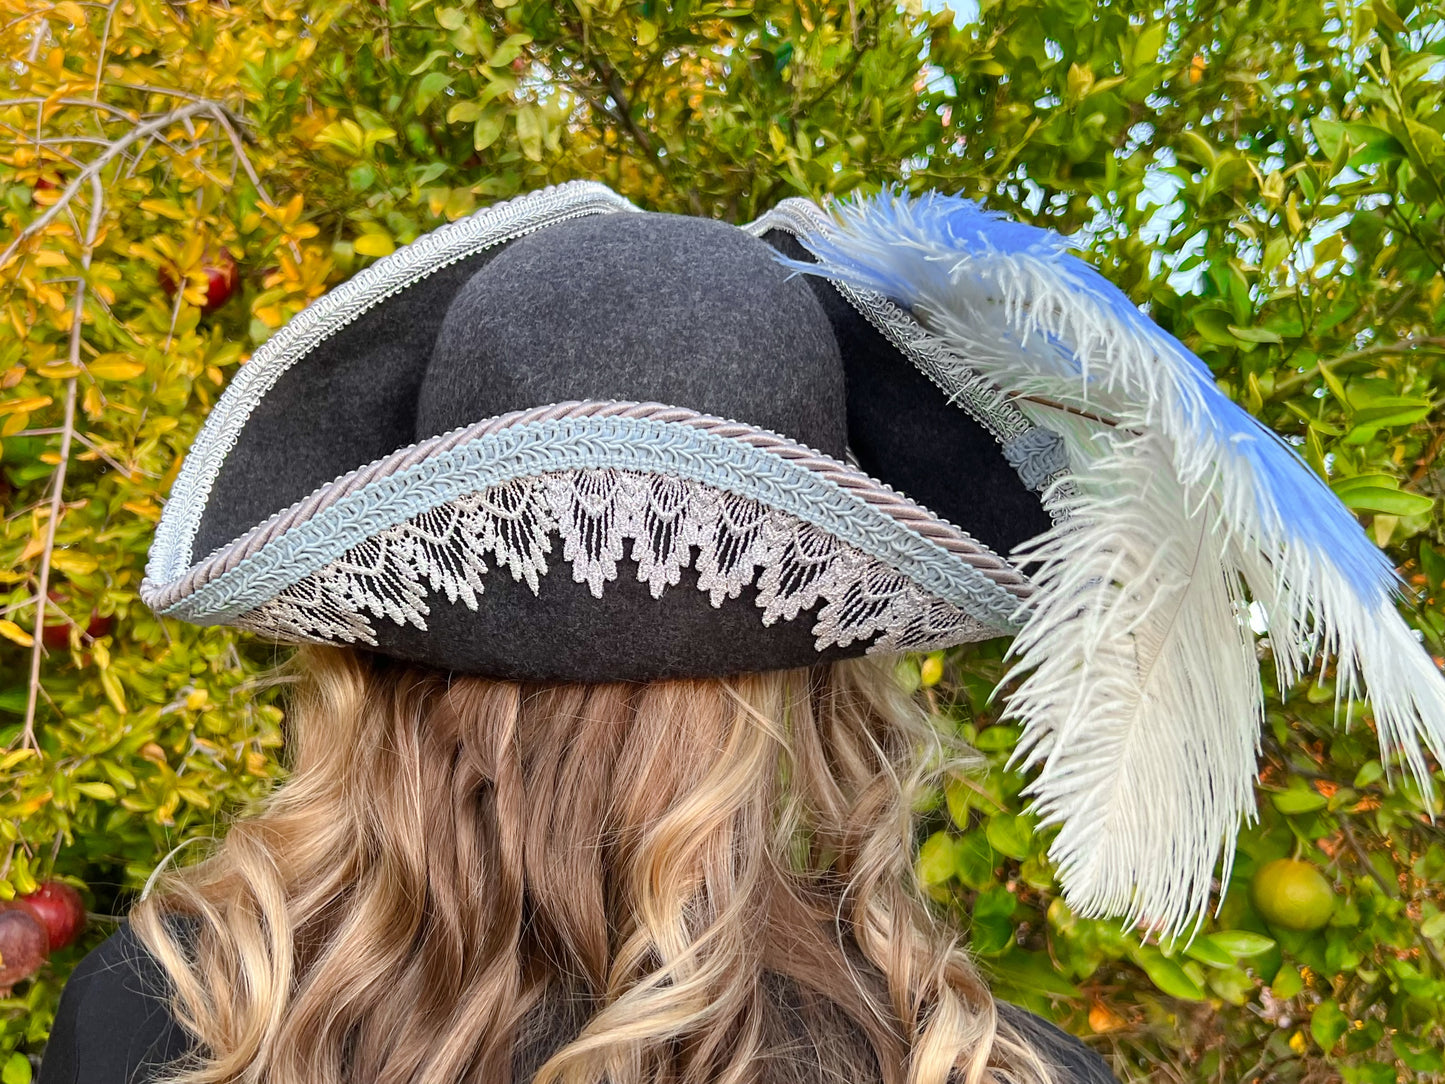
<point>564,439</point>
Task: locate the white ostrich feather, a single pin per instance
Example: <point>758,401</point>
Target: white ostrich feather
<point>1141,703</point>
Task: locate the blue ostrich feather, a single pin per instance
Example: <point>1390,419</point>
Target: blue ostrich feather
<point>1137,679</point>
<point>963,240</point>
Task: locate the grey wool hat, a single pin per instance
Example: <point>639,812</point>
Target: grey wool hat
<point>736,467</point>
<point>567,440</point>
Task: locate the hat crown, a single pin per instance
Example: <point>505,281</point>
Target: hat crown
<point>661,308</point>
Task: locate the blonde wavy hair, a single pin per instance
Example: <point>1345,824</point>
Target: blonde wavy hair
<point>690,881</point>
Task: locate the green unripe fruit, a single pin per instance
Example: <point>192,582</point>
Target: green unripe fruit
<point>1292,894</point>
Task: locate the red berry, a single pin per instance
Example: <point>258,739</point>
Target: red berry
<point>57,907</point>
<point>23,946</point>
<point>222,277</point>
<point>56,632</point>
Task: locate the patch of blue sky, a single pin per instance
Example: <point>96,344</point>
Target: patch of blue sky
<point>965,12</point>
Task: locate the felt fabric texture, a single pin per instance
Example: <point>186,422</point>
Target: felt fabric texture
<point>348,402</point>
<point>649,308</point>
<point>114,1026</point>
<point>644,307</point>
<point>564,634</point>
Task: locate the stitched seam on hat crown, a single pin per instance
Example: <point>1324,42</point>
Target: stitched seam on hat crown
<point>596,443</point>
<point>334,310</point>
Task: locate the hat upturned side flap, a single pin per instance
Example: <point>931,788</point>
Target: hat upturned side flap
<point>353,359</point>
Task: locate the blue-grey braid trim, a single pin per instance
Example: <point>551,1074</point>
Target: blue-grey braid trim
<point>594,443</point>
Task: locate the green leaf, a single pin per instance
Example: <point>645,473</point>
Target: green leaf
<point>991,929</point>
<point>1196,148</point>
<point>1434,926</point>
<point>1255,334</point>
<point>975,860</point>
<point>1010,834</point>
<point>1024,971</point>
<point>1366,142</point>
<point>1419,1056</point>
<point>345,135</point>
<point>1372,771</point>
<point>936,859</point>
<point>1395,502</point>
<point>1387,16</point>
<point>1168,976</point>
<point>1300,797</point>
<point>430,86</point>
<point>1147,44</point>
<point>489,126</point>
<point>1328,1023</point>
<point>1204,949</point>
<point>996,739</point>
<point>17,1069</point>
<point>997,902</point>
<point>530,130</point>
<point>1333,383</point>
<point>1214,326</point>
<point>1287,982</point>
<point>1241,944</point>
<point>959,796</point>
<point>1385,410</point>
<point>1432,563</point>
<point>464,112</point>
<point>1233,984</point>
<point>508,51</point>
<point>374,244</point>
<point>430,59</point>
<point>1376,492</point>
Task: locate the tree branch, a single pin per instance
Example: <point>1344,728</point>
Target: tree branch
<point>93,169</point>
<point>77,324</point>
<point>1399,346</point>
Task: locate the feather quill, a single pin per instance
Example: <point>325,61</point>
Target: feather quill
<point>1140,698</point>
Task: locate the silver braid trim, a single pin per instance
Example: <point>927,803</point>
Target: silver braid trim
<point>175,534</point>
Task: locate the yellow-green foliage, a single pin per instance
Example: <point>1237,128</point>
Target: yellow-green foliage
<point>1264,175</point>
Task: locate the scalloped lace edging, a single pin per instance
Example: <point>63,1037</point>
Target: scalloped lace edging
<point>738,542</point>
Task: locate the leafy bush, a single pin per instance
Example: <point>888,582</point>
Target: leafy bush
<point>1263,176</point>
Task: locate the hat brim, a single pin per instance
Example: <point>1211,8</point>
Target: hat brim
<point>831,560</point>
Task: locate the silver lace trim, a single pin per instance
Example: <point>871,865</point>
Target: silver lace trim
<point>671,524</point>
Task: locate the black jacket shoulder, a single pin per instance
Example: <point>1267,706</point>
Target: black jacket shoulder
<point>114,1024</point>
<point>1073,1062</point>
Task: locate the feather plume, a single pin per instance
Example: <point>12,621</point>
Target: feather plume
<point>1140,697</point>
